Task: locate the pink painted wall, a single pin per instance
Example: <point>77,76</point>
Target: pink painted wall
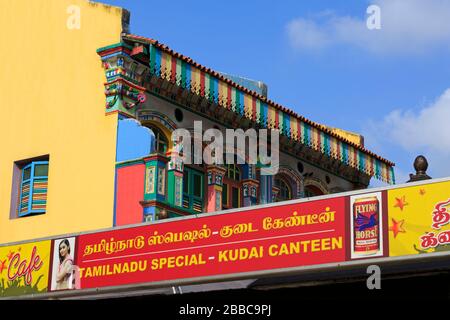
<point>130,190</point>
<point>211,204</point>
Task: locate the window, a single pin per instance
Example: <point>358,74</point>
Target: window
<point>234,200</point>
<point>33,188</point>
<point>231,187</point>
<point>233,172</point>
<point>285,190</point>
<point>193,190</point>
<point>161,142</point>
<point>224,195</point>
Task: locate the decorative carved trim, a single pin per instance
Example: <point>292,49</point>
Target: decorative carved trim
<point>121,88</point>
<point>294,178</point>
<point>124,78</point>
<point>317,183</point>
<point>154,116</point>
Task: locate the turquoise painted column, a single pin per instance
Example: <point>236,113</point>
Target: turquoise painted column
<point>155,188</point>
<point>155,177</point>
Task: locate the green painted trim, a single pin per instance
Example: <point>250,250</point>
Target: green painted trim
<point>116,45</point>
<point>128,163</point>
<point>122,108</point>
<point>171,189</point>
<point>156,163</point>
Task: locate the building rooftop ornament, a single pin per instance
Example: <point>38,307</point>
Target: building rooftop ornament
<point>421,166</point>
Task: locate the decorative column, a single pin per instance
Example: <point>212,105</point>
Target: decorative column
<point>301,188</point>
<point>215,184</point>
<point>249,185</point>
<point>155,184</point>
<point>250,192</point>
<point>265,188</point>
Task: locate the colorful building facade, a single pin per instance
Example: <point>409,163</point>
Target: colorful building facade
<point>90,137</point>
<point>159,90</point>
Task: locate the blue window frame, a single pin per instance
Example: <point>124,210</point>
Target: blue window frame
<point>33,188</point>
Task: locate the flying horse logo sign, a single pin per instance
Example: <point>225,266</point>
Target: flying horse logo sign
<point>367,225</point>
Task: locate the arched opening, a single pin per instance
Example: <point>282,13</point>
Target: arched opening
<point>133,140</point>
<point>285,188</point>
<point>162,128</point>
<point>161,142</point>
<point>312,191</point>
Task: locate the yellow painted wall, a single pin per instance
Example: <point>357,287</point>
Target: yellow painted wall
<point>350,136</point>
<point>52,102</point>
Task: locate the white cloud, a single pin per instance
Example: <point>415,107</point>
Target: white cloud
<point>426,132</point>
<point>430,127</point>
<point>413,26</point>
<point>307,34</point>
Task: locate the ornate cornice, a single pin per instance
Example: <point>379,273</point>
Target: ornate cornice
<point>124,78</point>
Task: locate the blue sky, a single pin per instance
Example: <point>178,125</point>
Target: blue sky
<point>318,58</point>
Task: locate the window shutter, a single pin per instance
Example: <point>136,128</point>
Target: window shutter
<point>193,190</point>
<point>39,199</point>
<point>33,188</point>
<point>25,196</point>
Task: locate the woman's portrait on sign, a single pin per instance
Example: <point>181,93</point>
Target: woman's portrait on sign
<point>64,270</point>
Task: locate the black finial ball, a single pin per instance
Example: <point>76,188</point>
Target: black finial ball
<point>420,164</point>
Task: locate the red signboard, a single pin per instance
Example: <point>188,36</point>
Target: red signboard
<point>253,240</point>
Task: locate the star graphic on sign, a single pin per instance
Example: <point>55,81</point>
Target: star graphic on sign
<point>2,265</point>
<point>400,203</point>
<point>422,192</point>
<point>397,227</point>
<point>10,254</point>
